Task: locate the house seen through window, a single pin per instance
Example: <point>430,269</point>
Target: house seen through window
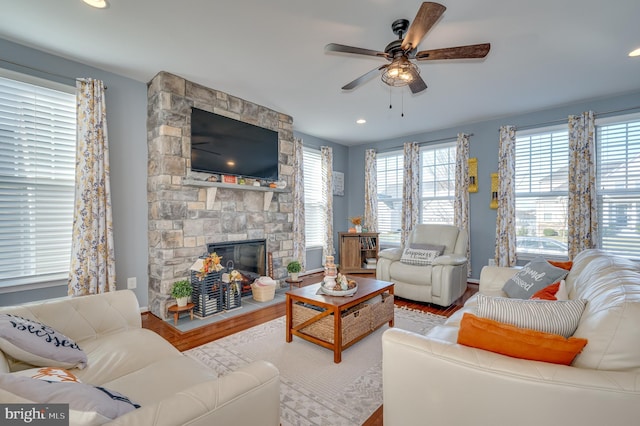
<point>315,202</point>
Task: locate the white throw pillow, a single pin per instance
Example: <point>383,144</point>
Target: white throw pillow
<point>37,344</point>
<point>420,257</point>
<point>549,316</point>
<point>88,405</point>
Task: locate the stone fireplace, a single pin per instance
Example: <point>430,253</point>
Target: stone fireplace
<point>186,213</point>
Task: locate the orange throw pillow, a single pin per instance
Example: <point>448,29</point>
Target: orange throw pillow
<point>505,339</point>
<point>547,293</point>
<point>566,265</point>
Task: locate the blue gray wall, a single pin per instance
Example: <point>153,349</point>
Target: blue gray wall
<point>340,216</point>
<point>484,146</point>
<point>127,104</point>
<point>127,131</point>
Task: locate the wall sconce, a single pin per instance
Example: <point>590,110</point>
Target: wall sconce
<point>472,165</point>
<point>494,191</point>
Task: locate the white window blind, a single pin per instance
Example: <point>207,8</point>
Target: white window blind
<point>37,162</point>
<point>390,169</point>
<point>315,205</point>
<point>618,183</point>
<point>541,190</point>
<point>437,183</point>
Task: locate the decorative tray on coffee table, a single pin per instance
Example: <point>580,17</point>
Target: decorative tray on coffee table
<point>330,289</point>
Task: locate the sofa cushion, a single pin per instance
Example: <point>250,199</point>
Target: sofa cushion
<point>88,405</point>
<point>421,257</point>
<point>556,317</point>
<point>506,339</point>
<point>414,274</point>
<point>534,276</point>
<point>37,344</point>
<point>611,285</point>
<point>119,354</point>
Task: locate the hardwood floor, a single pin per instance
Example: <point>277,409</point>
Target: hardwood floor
<point>200,336</point>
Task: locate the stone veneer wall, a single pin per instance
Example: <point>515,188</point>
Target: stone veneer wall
<point>183,218</point>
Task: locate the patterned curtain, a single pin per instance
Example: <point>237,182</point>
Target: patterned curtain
<point>461,204</point>
<point>506,219</point>
<point>299,242</point>
<point>92,256</point>
<point>327,188</point>
<point>411,189</point>
<point>583,213</point>
<point>370,191</point>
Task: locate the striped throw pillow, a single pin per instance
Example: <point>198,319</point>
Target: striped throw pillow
<point>556,317</point>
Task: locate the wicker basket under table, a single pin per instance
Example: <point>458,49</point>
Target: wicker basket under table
<point>356,321</point>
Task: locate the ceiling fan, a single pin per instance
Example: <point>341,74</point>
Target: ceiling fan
<point>401,70</point>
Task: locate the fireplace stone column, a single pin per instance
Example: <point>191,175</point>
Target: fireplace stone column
<point>183,218</point>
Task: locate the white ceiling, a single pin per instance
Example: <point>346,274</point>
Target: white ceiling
<point>271,52</point>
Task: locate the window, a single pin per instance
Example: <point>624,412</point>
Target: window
<point>390,169</point>
<point>437,183</point>
<point>541,191</point>
<point>315,203</point>
<point>618,185</point>
<point>37,167</point>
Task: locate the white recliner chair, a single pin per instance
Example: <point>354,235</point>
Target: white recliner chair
<point>442,282</point>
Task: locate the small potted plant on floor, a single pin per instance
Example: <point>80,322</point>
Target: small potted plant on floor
<point>181,291</point>
<point>294,268</point>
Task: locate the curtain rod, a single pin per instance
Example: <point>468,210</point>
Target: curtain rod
<point>394,148</point>
<point>564,120</point>
<point>73,80</point>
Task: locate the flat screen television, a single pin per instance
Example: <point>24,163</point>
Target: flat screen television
<point>226,146</point>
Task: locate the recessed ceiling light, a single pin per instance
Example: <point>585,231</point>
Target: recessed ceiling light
<point>361,121</point>
<point>635,52</point>
<point>100,4</point>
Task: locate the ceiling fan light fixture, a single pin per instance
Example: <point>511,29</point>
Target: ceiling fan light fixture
<point>98,4</point>
<point>400,72</point>
<point>635,53</point>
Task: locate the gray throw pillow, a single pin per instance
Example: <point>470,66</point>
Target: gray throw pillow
<point>436,247</point>
<point>534,276</point>
<point>37,344</point>
<point>88,405</point>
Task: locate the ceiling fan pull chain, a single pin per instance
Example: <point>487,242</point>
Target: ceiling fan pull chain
<point>390,106</point>
<point>402,107</point>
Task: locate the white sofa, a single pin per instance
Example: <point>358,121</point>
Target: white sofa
<point>433,379</point>
<point>442,282</point>
<point>171,388</point>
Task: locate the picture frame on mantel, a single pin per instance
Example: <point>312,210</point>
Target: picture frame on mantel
<point>338,183</point>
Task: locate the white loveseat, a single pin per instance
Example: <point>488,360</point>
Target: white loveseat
<point>171,388</point>
<point>433,379</point>
<point>442,282</point>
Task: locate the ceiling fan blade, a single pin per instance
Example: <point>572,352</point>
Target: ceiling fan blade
<point>427,15</point>
<point>363,78</point>
<point>460,52</point>
<point>417,85</point>
<point>333,47</point>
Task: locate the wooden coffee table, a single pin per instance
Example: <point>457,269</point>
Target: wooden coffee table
<point>368,288</point>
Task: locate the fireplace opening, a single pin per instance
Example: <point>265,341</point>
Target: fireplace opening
<point>248,257</point>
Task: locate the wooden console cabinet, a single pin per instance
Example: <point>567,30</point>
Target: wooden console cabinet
<point>355,249</point>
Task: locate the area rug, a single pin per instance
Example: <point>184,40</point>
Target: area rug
<point>314,390</point>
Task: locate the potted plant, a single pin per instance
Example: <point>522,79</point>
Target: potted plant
<point>293,268</point>
<point>181,291</point>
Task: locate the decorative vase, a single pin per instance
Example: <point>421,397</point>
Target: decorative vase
<point>358,228</point>
<point>294,276</point>
<point>182,301</point>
